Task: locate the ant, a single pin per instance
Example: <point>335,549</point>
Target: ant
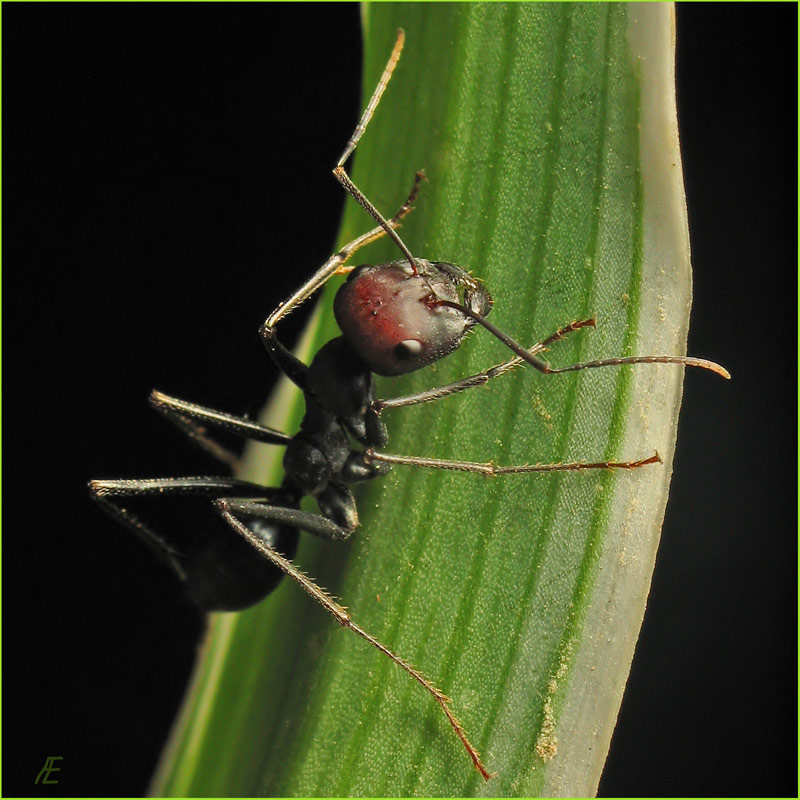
<point>395,318</point>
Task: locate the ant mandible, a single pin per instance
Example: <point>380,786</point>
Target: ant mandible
<point>395,318</point>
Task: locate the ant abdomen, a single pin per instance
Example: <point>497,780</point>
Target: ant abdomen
<point>229,575</point>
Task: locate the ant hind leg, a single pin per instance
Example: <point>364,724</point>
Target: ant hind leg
<point>230,509</point>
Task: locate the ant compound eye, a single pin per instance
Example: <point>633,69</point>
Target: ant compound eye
<point>408,349</point>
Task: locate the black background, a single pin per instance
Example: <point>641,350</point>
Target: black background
<point>146,144</point>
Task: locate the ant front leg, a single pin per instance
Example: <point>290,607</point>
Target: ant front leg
<point>291,366</point>
<point>544,367</point>
<point>529,356</point>
<point>480,378</point>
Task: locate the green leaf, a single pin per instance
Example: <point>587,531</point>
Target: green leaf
<point>548,135</point>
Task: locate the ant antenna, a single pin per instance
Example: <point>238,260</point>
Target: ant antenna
<point>339,171</point>
<point>544,367</point>
<point>341,175</point>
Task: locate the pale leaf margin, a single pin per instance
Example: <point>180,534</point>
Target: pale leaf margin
<point>603,658</point>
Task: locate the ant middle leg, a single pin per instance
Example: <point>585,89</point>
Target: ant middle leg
<point>194,420</point>
<point>492,470</point>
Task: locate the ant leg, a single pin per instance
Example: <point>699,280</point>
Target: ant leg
<point>219,570</point>
<point>481,378</point>
<point>229,508</point>
<point>109,493</point>
<point>192,420</point>
<point>291,366</point>
<point>303,520</point>
<point>336,262</point>
<point>174,407</point>
<point>543,366</point>
<point>493,470</point>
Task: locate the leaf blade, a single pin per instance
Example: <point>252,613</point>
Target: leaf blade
<point>527,122</point>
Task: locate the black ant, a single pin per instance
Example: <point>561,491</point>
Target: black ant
<point>395,318</point>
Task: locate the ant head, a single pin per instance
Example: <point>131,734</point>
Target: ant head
<point>393,317</point>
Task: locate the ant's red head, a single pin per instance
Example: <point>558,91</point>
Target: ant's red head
<point>395,320</point>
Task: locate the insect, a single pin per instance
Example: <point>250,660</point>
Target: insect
<point>395,318</point>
